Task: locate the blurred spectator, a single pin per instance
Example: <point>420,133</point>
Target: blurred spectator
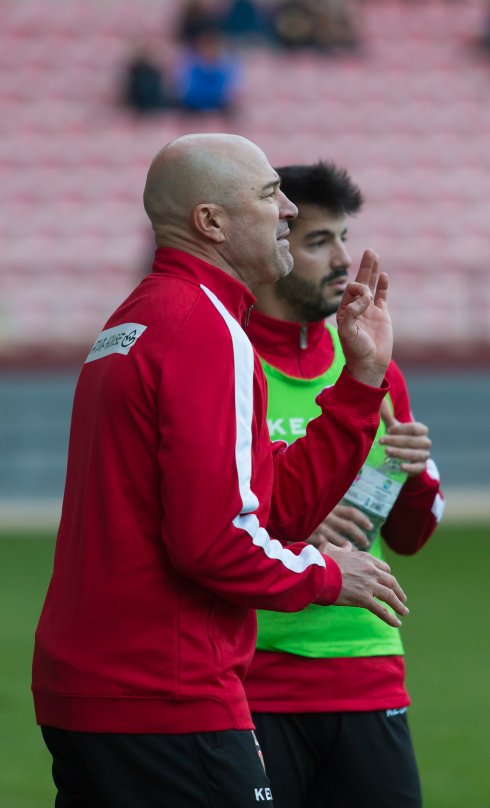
<point>321,24</point>
<point>144,87</point>
<point>485,39</point>
<point>197,17</point>
<point>208,75</point>
<point>246,21</point>
<point>293,24</point>
<point>336,23</point>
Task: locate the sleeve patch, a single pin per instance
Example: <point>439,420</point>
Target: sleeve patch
<point>119,339</point>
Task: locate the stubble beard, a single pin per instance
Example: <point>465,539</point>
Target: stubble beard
<point>306,299</point>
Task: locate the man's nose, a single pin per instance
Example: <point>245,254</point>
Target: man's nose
<point>287,209</point>
<point>340,257</point>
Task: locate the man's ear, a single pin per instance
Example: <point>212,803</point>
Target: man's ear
<point>208,220</point>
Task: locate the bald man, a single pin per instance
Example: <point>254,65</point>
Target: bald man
<point>174,496</point>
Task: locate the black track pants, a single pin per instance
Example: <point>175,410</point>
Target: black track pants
<point>204,770</point>
<point>340,760</point>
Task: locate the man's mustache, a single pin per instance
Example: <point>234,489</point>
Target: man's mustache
<point>334,275</point>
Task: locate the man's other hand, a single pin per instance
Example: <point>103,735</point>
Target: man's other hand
<point>366,581</point>
<point>408,442</point>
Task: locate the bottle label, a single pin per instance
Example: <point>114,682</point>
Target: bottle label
<point>373,492</point>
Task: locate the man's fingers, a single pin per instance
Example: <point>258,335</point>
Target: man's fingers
<point>380,564</point>
<point>374,277</point>
<point>347,524</point>
<point>386,414</point>
<point>356,299</point>
<point>369,264</point>
<point>338,539</point>
<point>401,435</point>
<point>366,581</point>
<point>409,455</point>
<point>324,534</point>
<point>409,442</point>
<point>370,275</point>
<point>412,461</point>
<point>408,428</point>
<point>355,290</point>
<point>413,469</point>
<point>390,583</point>
<point>406,441</point>
<point>351,514</point>
<point>388,596</point>
<point>353,532</point>
<point>381,292</point>
<point>383,613</point>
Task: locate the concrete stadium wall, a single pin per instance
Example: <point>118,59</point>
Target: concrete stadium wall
<point>35,417</point>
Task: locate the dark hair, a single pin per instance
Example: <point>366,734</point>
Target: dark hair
<point>322,184</point>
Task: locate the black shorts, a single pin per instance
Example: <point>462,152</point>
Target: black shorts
<point>340,760</point>
<point>204,770</point>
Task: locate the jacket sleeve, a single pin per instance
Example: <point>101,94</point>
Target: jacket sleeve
<point>420,504</point>
<point>313,473</point>
<point>213,523</point>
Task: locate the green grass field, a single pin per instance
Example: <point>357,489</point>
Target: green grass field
<point>447,639</point>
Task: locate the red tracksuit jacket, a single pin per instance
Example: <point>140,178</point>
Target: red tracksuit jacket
<point>172,495</point>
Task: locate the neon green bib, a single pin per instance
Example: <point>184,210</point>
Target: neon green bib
<point>319,631</point>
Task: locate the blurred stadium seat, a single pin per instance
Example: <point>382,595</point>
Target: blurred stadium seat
<point>409,117</point>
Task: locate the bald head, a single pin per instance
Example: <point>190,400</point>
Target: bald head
<point>217,197</point>
<point>195,169</point>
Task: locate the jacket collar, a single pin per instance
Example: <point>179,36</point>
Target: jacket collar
<point>282,337</point>
<point>234,295</point>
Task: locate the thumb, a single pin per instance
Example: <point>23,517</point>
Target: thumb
<point>387,415</point>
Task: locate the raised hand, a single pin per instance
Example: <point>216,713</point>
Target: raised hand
<point>408,442</point>
<point>366,581</point>
<point>364,323</point>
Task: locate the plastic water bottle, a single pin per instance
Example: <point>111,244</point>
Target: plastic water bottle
<point>374,492</point>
